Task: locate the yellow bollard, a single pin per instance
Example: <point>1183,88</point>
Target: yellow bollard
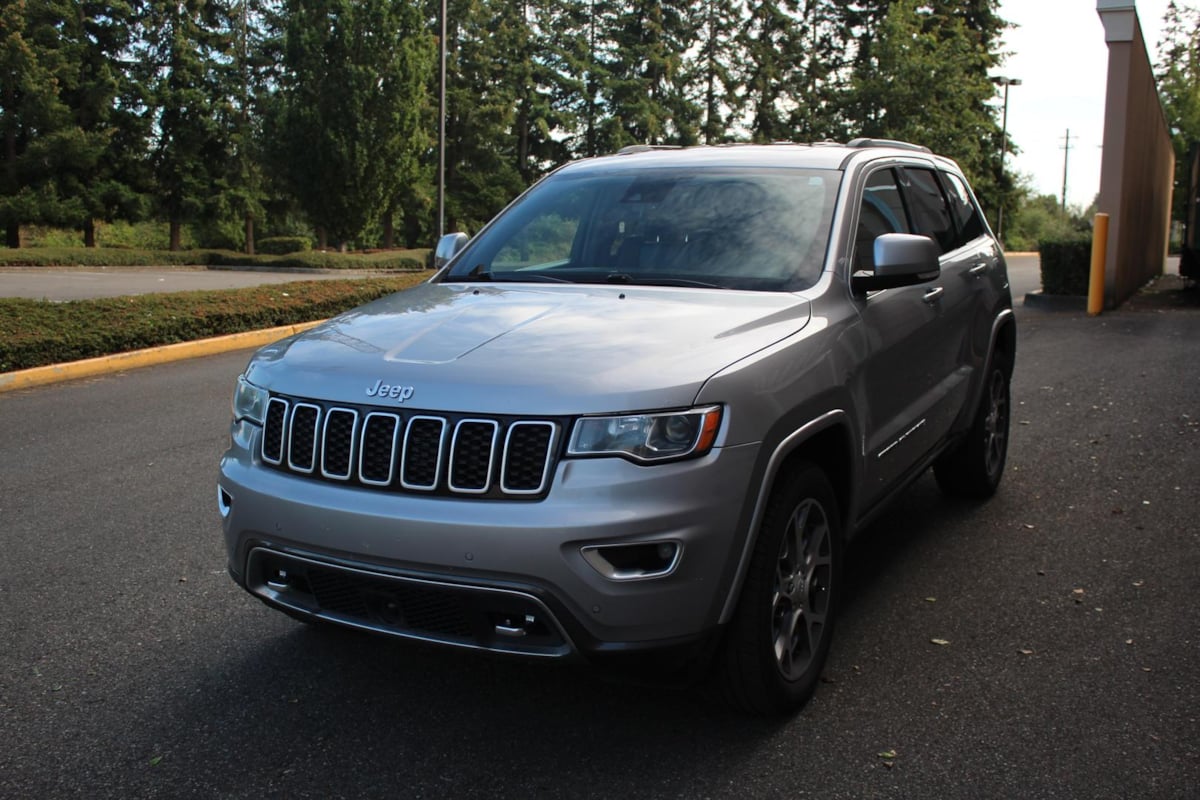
<point>1099,256</point>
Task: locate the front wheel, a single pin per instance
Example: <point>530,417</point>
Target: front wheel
<point>973,468</point>
<point>777,642</point>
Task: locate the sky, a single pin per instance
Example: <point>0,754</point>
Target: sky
<point>1058,52</point>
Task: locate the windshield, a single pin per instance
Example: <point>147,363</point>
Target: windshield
<point>732,228</point>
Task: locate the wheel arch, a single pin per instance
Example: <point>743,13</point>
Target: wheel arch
<point>1004,337</point>
<point>826,442</point>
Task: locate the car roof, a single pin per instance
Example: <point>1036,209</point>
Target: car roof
<point>818,155</point>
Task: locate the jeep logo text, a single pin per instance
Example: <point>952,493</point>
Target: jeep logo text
<point>394,391</point>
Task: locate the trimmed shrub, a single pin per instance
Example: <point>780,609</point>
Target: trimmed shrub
<point>116,257</point>
<point>34,333</point>
<point>97,257</point>
<point>1066,265</point>
<point>282,245</point>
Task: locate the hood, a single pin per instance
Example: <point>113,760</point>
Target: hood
<point>553,350</point>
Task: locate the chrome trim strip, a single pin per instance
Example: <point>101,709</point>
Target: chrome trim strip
<point>312,463</point>
<point>551,446</point>
<point>437,471</point>
<point>362,450</point>
<point>487,481</point>
<point>903,436</point>
<point>353,442</point>
<point>602,565</point>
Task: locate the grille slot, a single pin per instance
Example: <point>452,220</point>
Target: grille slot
<point>528,451</point>
<point>421,465</point>
<point>272,445</point>
<point>471,455</point>
<point>337,453</point>
<point>380,432</point>
<point>302,448</point>
<point>455,454</point>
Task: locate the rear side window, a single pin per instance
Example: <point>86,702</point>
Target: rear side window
<point>963,209</point>
<point>930,212</point>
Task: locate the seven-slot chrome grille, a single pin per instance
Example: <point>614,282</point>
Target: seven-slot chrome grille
<point>411,451</point>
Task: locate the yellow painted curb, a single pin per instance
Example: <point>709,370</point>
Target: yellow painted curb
<point>55,373</point>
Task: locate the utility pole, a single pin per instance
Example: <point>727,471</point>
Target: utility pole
<point>1066,148</point>
<point>1005,82</point>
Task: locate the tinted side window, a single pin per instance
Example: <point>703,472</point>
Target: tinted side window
<point>882,211</point>
<point>966,214</point>
<point>931,214</point>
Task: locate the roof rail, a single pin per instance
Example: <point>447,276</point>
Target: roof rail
<point>645,148</point>
<point>888,143</point>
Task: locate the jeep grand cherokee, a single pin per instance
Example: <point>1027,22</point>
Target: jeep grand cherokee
<point>642,411</point>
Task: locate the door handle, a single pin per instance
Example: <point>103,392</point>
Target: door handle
<point>978,269</point>
<point>933,294</point>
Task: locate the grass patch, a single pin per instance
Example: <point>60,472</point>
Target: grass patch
<point>35,333</point>
<point>118,257</point>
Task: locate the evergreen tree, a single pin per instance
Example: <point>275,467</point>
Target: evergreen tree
<point>817,87</point>
<point>770,49</point>
<point>354,83</point>
<point>644,93</point>
<point>482,171</point>
<point>563,45</point>
<point>181,41</point>
<point>72,144</point>
<point>1178,78</point>
<point>928,83</point>
<point>250,71</point>
<point>31,111</point>
<point>712,74</point>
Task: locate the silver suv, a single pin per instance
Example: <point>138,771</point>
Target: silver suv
<point>641,412</point>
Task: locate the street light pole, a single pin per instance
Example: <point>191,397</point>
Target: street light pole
<point>1005,82</point>
<point>441,175</point>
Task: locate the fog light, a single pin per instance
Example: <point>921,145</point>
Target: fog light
<point>629,562</point>
<point>278,579</point>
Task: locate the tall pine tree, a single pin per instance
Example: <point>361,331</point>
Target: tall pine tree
<point>927,82</point>
<point>355,79</point>
<point>1178,78</point>
<point>645,97</point>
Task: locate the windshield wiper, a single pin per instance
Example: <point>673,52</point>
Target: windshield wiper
<point>625,277</point>
<point>481,273</point>
<point>518,276</point>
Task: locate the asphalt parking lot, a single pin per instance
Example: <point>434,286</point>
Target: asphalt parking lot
<point>130,665</point>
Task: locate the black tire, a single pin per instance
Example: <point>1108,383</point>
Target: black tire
<point>777,642</point>
<point>973,468</point>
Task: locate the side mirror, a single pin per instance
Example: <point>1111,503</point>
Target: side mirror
<point>901,259</point>
<point>447,248</point>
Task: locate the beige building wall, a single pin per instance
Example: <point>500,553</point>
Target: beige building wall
<point>1138,165</point>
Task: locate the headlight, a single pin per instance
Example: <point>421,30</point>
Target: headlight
<point>249,401</point>
<point>647,438</point>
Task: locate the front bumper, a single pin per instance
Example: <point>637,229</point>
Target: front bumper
<point>497,575</point>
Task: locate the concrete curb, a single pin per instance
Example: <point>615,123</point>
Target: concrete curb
<point>103,365</point>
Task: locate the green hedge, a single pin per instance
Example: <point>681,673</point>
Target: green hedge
<point>34,333</point>
<point>283,245</point>
<point>1066,265</point>
<point>114,257</point>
